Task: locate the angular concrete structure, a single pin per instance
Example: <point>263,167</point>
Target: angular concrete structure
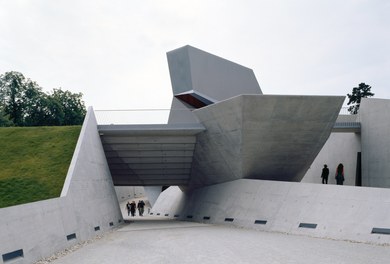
<point>199,78</point>
<point>221,128</point>
<point>223,143</point>
<point>262,137</point>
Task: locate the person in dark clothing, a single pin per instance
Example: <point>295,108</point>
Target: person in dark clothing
<point>140,207</point>
<point>132,208</point>
<point>340,174</point>
<point>128,207</point>
<point>325,174</point>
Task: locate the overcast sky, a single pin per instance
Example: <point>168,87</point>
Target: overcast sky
<point>114,51</point>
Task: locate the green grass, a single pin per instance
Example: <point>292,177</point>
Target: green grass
<point>34,162</point>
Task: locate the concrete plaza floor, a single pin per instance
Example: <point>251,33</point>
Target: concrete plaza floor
<point>158,240</point>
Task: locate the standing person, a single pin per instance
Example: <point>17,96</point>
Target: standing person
<point>340,174</point>
<point>140,207</point>
<point>325,174</point>
<point>128,208</point>
<point>132,208</point>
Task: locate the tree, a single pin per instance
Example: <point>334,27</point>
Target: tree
<point>4,119</point>
<point>12,88</point>
<point>71,104</point>
<point>23,103</point>
<point>363,91</point>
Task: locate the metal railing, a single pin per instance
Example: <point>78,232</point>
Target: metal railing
<point>132,116</point>
<point>347,122</point>
<point>160,116</point>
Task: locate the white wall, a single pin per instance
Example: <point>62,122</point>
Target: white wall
<point>339,148</point>
<point>374,114</point>
<point>373,143</point>
<point>125,193</point>
<point>88,200</point>
<point>340,212</point>
<point>171,201</point>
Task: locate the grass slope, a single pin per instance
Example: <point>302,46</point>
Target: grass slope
<point>34,162</point>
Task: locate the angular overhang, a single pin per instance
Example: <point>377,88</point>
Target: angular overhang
<point>148,155</point>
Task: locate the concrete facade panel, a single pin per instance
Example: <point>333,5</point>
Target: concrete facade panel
<point>194,70</point>
<point>339,212</point>
<point>241,141</point>
<point>375,144</point>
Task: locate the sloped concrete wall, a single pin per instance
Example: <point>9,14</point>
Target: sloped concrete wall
<point>267,137</point>
<point>170,202</point>
<point>87,207</point>
<point>336,212</point>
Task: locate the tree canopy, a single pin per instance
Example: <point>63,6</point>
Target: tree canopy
<point>363,91</point>
<point>23,103</point>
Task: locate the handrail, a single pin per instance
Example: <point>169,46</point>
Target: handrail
<point>134,116</point>
<point>161,116</point>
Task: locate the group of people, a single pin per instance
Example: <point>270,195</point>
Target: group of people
<point>339,176</point>
<point>131,207</point>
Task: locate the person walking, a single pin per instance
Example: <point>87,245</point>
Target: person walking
<point>128,207</point>
<point>340,174</point>
<point>141,206</point>
<point>325,174</point>
<point>132,208</point>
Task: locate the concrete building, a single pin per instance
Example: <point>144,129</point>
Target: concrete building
<point>231,155</point>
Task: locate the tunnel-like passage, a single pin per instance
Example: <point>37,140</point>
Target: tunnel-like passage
<point>149,155</point>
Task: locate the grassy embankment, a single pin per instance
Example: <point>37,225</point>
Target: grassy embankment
<point>34,162</point>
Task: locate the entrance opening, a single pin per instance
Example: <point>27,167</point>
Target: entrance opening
<point>142,198</point>
<point>358,180</point>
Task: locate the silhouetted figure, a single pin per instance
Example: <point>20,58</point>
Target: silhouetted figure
<point>325,174</point>
<point>132,208</point>
<point>128,207</point>
<point>340,174</point>
<point>140,207</point>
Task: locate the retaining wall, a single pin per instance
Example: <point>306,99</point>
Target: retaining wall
<point>87,207</point>
<point>326,211</point>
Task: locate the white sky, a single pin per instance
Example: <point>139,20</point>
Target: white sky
<point>114,51</point>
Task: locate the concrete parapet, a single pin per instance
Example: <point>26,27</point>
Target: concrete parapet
<point>326,211</point>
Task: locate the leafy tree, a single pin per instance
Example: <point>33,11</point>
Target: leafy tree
<point>71,104</point>
<point>4,119</point>
<point>12,88</point>
<point>23,103</point>
<point>363,91</point>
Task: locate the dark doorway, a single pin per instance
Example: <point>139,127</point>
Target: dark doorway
<point>358,180</point>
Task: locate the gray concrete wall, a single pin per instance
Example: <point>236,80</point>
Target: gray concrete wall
<point>125,193</point>
<point>181,113</point>
<point>171,202</point>
<point>339,212</point>
<point>88,201</point>
<point>375,122</point>
<point>268,137</point>
<point>192,69</point>
<point>339,148</point>
<point>152,192</point>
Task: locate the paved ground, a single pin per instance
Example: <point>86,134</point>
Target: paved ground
<point>156,240</point>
